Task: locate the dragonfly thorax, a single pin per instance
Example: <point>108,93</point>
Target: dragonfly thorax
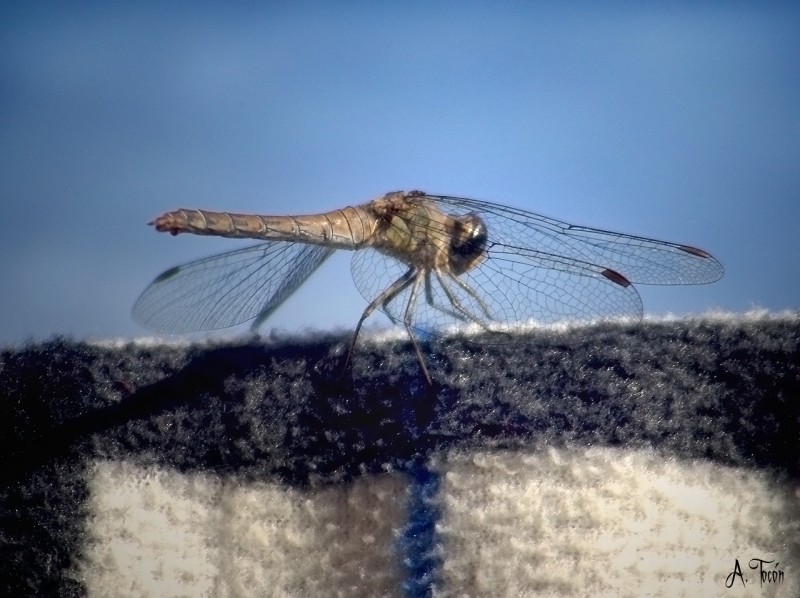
<point>419,233</point>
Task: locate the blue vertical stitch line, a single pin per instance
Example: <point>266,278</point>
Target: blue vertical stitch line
<point>418,541</point>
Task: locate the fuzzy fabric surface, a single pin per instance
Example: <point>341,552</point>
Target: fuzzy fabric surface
<point>655,458</point>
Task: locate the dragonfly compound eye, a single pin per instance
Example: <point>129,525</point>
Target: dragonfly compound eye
<point>467,243</point>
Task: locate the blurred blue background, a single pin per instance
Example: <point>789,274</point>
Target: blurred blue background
<point>678,121</point>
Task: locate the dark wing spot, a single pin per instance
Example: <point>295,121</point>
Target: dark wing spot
<point>616,277</point>
<point>695,251</point>
<point>167,274</point>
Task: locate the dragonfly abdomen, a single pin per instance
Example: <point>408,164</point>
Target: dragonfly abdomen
<point>348,228</point>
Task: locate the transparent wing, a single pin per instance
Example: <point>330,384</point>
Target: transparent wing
<point>512,288</point>
<point>639,259</point>
<point>227,289</point>
<point>535,270</point>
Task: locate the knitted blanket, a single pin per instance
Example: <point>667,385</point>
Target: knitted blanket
<point>655,458</point>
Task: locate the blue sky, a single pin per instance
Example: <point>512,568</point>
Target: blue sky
<point>678,121</point>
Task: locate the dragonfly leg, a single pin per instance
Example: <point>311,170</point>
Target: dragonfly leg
<point>412,302</point>
<point>462,315</point>
<point>460,311</point>
<point>431,300</point>
<point>469,290</point>
<point>397,287</point>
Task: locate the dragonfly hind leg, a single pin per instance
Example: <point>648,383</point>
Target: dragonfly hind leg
<point>397,287</point>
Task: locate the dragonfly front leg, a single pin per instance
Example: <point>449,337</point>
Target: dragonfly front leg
<point>459,312</point>
<point>469,290</point>
<point>457,304</point>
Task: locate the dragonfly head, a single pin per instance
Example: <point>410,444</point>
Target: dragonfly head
<point>468,240</point>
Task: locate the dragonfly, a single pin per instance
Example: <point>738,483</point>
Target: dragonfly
<point>431,263</point>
